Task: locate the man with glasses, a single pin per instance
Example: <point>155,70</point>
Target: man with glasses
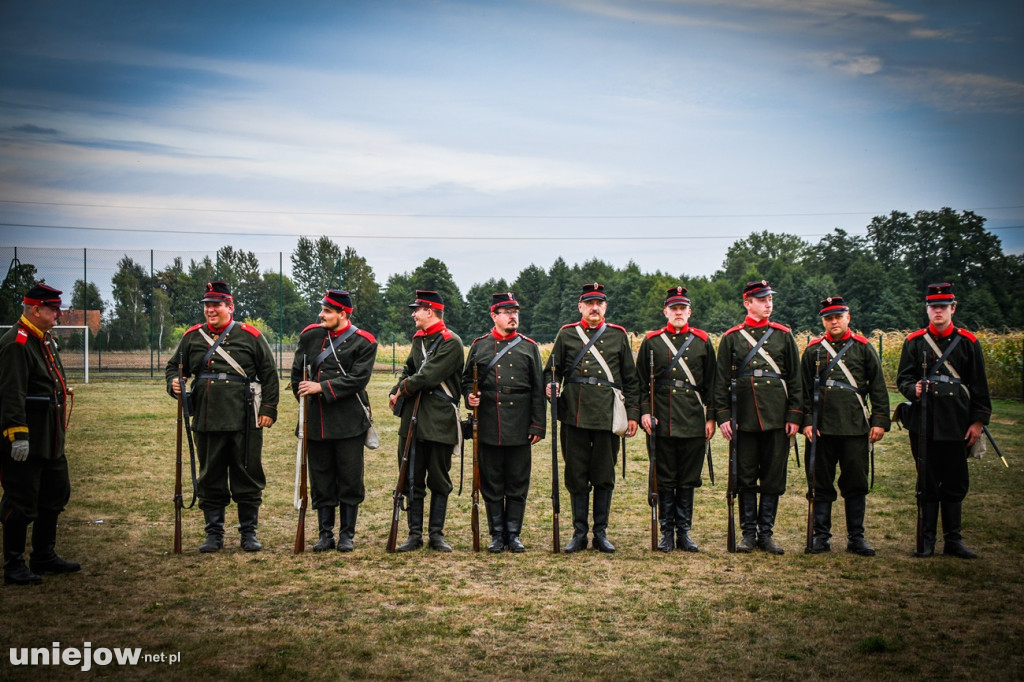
<point>511,418</point>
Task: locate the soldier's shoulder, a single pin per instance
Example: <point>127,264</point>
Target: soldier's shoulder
<point>527,338</point>
<point>656,332</point>
<point>967,335</point>
<point>699,333</point>
<point>860,339</point>
<point>480,338</point>
<point>619,327</point>
<point>366,335</point>
<point>733,330</point>
<point>815,341</point>
<point>919,333</point>
<point>251,329</point>
<point>448,335</point>
<point>780,327</point>
<point>571,324</point>
<point>315,325</point>
<point>21,337</point>
<point>193,328</point>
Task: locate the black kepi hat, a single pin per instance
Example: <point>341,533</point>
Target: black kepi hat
<point>676,296</point>
<point>337,299</point>
<point>593,291</point>
<point>427,299</point>
<point>505,299</point>
<point>43,294</point>
<point>833,305</point>
<point>940,294</point>
<point>758,289</point>
<point>217,291</point>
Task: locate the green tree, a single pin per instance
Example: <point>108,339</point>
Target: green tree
<point>529,288</point>
<point>86,297</point>
<point>20,278</point>
<point>433,275</point>
<point>356,277</point>
<point>478,308</point>
<point>130,324</point>
<point>313,264</point>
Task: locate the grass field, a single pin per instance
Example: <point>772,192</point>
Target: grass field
<point>632,615</point>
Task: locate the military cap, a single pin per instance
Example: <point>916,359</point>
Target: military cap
<point>427,299</point>
<point>833,305</point>
<point>505,299</point>
<point>593,291</point>
<point>940,294</point>
<point>676,296</point>
<point>43,294</point>
<point>217,291</point>
<point>337,299</point>
<point>758,289</point>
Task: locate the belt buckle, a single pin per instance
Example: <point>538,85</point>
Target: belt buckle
<point>758,372</point>
<point>223,376</point>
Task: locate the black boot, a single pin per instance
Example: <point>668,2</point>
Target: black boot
<point>929,523</point>
<point>821,516</point>
<point>325,521</point>
<point>602,510</point>
<point>415,519</point>
<point>44,539</point>
<point>15,570</point>
<point>953,545</point>
<point>667,520</point>
<point>248,522</point>
<point>855,542</point>
<point>438,510</point>
<point>684,519</point>
<point>214,530</point>
<point>496,525</point>
<point>766,522</point>
<point>580,513</point>
<point>514,513</point>
<point>348,514</point>
<point>748,523</point>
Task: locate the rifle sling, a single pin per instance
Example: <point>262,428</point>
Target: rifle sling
<point>332,346</point>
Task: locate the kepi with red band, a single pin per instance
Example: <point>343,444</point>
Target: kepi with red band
<point>338,300</point>
<point>43,294</point>
<point>940,294</point>
<point>427,299</point>
<point>217,291</point>
<point>593,291</point>
<point>758,289</point>
<point>833,305</point>
<point>505,299</point>
<point>676,296</point>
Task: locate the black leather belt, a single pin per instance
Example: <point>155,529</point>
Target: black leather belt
<point>944,379</point>
<point>507,390</point>
<point>761,373</point>
<point>444,396</point>
<point>832,383</point>
<point>593,381</point>
<point>675,383</point>
<point>224,376</point>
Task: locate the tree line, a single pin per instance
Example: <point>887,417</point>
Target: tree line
<point>882,275</point>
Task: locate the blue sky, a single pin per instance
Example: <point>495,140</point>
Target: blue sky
<point>493,135</point>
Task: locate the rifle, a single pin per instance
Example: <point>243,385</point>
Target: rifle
<point>996,447</point>
<point>300,531</point>
<point>711,465</point>
<point>652,477</point>
<point>178,502</point>
<point>922,452</point>
<point>476,465</point>
<point>404,468</point>
<point>796,452</point>
<point>812,476</point>
<point>555,503</point>
<point>730,494</point>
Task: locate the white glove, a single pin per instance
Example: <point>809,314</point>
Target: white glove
<point>19,450</point>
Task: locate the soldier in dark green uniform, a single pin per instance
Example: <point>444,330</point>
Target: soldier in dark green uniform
<point>434,369</point>
<point>234,396</point>
<point>340,358</point>
<point>684,378</point>
<point>851,372</point>
<point>770,411</point>
<point>959,408</point>
<point>594,361</point>
<point>511,418</point>
<point>35,405</point>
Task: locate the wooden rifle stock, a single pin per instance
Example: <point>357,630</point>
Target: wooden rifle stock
<point>403,472</point>
<point>556,544</point>
<point>475,515</point>
<point>652,477</point>
<point>812,452</point>
<point>922,453</point>
<point>178,502</point>
<point>730,494</point>
<point>300,531</point>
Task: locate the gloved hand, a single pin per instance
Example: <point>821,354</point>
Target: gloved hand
<point>19,450</point>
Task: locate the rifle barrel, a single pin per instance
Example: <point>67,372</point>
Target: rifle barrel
<point>475,521</point>
<point>556,541</point>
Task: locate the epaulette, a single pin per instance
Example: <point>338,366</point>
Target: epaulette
<point>481,337</point>
<point>780,327</point>
<point>527,338</point>
<point>315,325</point>
<point>571,324</point>
<point>860,339</point>
<point>22,337</point>
<point>192,328</point>
<point>251,329</point>
<point>366,335</point>
<point>656,332</point>
<point>813,342</point>
<point>734,329</point>
<point>919,332</point>
<point>699,333</point>
<point>619,327</point>
<point>446,334</point>
<point>967,335</point>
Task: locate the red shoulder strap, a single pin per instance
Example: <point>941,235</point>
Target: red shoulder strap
<point>656,332</point>
<point>366,335</point>
<point>780,327</point>
<point>312,326</point>
<point>967,335</point>
<point>699,333</point>
<point>251,329</point>
<point>861,339</point>
<point>919,332</point>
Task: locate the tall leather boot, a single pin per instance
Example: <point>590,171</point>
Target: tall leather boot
<point>929,523</point>
<point>44,539</point>
<point>953,545</point>
<point>580,513</point>
<point>602,510</point>
<point>855,542</point>
<point>766,522</point>
<point>325,521</point>
<point>667,520</point>
<point>514,513</point>
<point>248,522</point>
<point>748,523</point>
<point>684,519</point>
<point>347,516</point>
<point>15,570</point>
<point>414,514</point>
<point>821,517</point>
<point>438,511</point>
<point>214,530</point>
<point>496,525</point>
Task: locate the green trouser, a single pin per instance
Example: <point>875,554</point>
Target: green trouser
<point>33,487</point>
<point>430,466</point>
<point>336,471</point>
<point>851,454</point>
<point>761,458</point>
<point>589,456</point>
<point>224,473</point>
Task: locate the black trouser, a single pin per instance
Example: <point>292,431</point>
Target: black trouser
<point>33,487</point>
<point>430,467</point>
<point>223,474</point>
<point>946,474</point>
<point>680,462</point>
<point>851,453</point>
<point>589,456</point>
<point>336,471</point>
<point>505,472</point>
<point>761,457</point>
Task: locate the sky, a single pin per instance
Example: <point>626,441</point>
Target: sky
<point>496,134</point>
